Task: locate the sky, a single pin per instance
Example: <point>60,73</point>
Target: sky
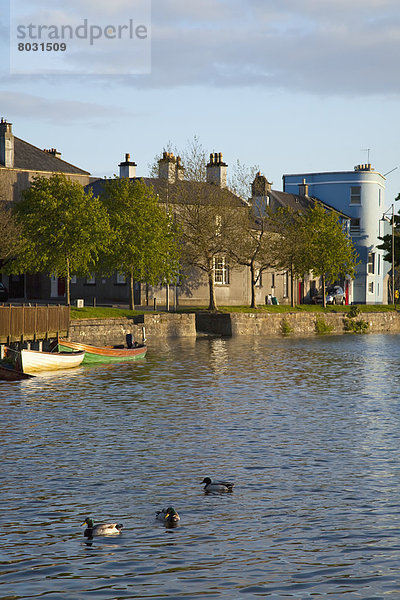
<point>289,85</point>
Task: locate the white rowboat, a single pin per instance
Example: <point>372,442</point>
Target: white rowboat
<point>33,361</point>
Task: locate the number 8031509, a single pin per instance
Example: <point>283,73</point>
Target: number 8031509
<point>42,47</point>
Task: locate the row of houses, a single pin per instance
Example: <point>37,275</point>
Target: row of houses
<point>357,196</point>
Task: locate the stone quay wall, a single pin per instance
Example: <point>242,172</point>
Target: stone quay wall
<point>101,332</point>
<point>296,323</point>
<point>174,325</point>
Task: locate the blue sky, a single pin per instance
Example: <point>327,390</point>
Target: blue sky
<point>289,85</point>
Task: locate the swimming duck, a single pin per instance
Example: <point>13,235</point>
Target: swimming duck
<point>168,516</point>
<point>217,486</point>
<point>101,528</point>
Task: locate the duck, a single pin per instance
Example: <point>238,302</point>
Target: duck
<point>100,529</point>
<point>168,516</point>
<point>217,486</point>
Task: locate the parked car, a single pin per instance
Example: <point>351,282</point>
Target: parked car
<point>334,295</point>
<point>3,293</point>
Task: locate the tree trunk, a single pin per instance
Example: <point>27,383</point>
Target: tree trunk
<point>253,286</point>
<point>323,291</point>
<point>131,292</point>
<point>67,286</point>
<point>291,286</point>
<point>212,305</point>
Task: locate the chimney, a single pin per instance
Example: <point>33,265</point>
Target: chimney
<point>179,169</point>
<point>127,168</point>
<point>260,186</point>
<point>168,167</point>
<point>216,170</point>
<point>53,151</point>
<point>6,144</point>
<point>303,188</point>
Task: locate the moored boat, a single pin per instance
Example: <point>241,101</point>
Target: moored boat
<point>104,354</point>
<point>9,373</point>
<point>33,361</point>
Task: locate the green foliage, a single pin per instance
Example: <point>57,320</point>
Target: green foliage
<point>351,324</point>
<point>145,237</point>
<point>322,327</point>
<point>63,229</point>
<point>329,252</point>
<point>285,327</point>
<point>354,311</point>
<point>386,245</point>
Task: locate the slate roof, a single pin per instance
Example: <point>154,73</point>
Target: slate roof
<point>298,203</point>
<point>171,191</point>
<point>32,158</point>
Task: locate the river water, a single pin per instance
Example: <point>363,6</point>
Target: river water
<point>308,429</point>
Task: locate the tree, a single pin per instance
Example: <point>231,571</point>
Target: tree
<point>145,238</point>
<point>288,243</point>
<point>63,229</point>
<point>9,234</point>
<point>328,252</point>
<point>254,246</point>
<point>208,219</point>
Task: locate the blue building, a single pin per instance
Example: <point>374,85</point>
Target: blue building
<point>359,194</point>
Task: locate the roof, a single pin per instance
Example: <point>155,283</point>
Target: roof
<point>299,203</point>
<point>32,158</point>
<point>172,192</point>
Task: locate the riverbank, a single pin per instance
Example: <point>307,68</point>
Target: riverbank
<point>176,325</point>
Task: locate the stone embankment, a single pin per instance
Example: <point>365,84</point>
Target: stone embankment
<point>100,332</point>
<point>173,325</point>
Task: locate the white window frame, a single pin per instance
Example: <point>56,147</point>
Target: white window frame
<point>371,263</point>
<point>120,278</point>
<point>221,270</point>
<point>355,194</point>
<point>91,279</point>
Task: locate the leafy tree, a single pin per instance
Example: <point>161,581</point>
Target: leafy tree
<point>208,219</point>
<point>145,238</point>
<point>9,234</point>
<point>328,252</point>
<point>254,247</point>
<point>63,229</point>
<point>288,243</point>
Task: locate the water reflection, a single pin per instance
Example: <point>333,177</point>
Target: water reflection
<point>307,428</point>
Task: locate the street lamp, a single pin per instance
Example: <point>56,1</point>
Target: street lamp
<point>392,220</point>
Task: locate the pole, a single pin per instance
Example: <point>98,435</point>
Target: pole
<point>393,280</point>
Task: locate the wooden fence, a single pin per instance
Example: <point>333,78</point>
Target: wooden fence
<point>31,323</point>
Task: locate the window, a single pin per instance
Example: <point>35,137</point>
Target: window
<point>379,264</point>
<point>371,263</point>
<point>379,196</point>
<point>371,287</point>
<point>221,270</point>
<point>73,279</point>
<point>272,280</point>
<point>355,226</point>
<point>355,194</point>
<point>90,280</point>
<point>121,279</point>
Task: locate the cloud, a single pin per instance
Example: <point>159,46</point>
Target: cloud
<point>335,47</point>
<point>318,46</point>
<point>54,111</point>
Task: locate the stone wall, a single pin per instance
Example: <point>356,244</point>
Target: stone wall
<point>164,325</point>
<point>292,323</point>
<point>100,332</point>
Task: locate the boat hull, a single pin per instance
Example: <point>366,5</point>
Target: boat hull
<point>33,361</point>
<point>10,374</point>
<point>103,354</point>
